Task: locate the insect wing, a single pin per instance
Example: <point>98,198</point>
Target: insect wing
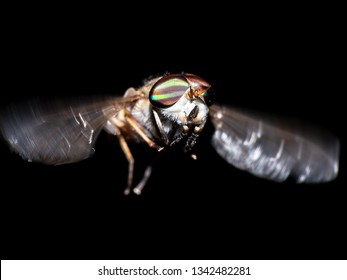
<point>273,150</point>
<point>56,132</point>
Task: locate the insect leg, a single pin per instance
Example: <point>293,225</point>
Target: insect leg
<point>138,189</point>
<point>192,138</point>
<point>179,137</point>
<point>129,157</point>
<point>140,131</point>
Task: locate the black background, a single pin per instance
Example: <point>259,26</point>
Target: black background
<point>284,65</point>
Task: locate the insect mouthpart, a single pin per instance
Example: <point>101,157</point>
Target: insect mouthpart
<point>193,113</point>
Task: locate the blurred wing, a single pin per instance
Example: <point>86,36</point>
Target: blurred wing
<point>56,132</point>
<point>271,150</point>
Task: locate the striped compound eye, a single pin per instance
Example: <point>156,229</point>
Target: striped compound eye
<point>168,90</point>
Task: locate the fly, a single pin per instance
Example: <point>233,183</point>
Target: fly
<point>165,111</point>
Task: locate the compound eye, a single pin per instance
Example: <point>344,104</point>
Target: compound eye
<point>168,90</point>
<point>209,97</point>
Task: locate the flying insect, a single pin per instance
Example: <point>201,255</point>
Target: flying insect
<point>165,111</point>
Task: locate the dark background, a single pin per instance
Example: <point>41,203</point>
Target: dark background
<point>284,65</point>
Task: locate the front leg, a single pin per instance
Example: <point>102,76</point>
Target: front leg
<point>192,138</point>
<point>140,130</point>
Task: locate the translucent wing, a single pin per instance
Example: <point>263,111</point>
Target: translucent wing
<point>56,132</point>
<point>272,150</point>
